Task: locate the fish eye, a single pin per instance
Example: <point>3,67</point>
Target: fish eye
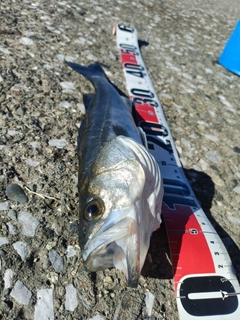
<point>94,209</point>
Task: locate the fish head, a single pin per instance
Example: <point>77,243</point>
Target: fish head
<point>120,206</point>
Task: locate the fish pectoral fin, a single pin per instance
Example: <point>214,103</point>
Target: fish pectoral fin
<point>143,137</point>
<point>87,100</point>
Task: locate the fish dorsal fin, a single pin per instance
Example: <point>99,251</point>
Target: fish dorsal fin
<point>89,72</point>
<point>87,100</point>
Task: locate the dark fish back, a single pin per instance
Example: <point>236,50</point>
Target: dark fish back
<point>108,115</point>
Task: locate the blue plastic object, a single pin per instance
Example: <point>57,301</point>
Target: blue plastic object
<point>230,57</point>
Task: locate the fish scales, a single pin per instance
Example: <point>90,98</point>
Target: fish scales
<point>120,185</point>
<point>107,114</point>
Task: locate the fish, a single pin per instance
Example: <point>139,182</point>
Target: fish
<point>119,182</point>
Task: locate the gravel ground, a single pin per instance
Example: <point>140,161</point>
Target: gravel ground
<point>41,270</point>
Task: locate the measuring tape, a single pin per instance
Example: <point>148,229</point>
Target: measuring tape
<point>205,283</point>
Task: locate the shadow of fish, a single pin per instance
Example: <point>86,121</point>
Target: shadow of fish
<point>120,185</point>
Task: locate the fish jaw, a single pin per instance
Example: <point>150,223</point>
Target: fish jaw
<point>124,244</point>
<point>117,246</point>
<point>121,238</point>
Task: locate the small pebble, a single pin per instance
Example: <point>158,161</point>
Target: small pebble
<point>12,214</point>
<point>22,249</point>
<point>60,57</point>
<point>35,144</point>
<point>4,206</point>
<point>32,163</point>
<point>4,50</point>
<point>203,164</point>
<point>237,189</point>
<point>16,193</point>
<point>92,57</point>
<point>59,143</point>
<point>21,111</point>
<point>73,227</point>
<point>70,252</point>
<point>80,41</point>
<point>28,222</point>
<point>212,156</point>
<point>21,293</point>
<point>8,278</point>
<point>211,137</point>
<point>29,33</point>
<point>81,107</point>
<point>97,317</point>
<point>12,132</point>
<point>52,276</point>
<point>107,281</point>
<point>3,241</point>
<point>208,71</point>
<point>233,220</point>
<point>11,228</point>
<point>26,41</point>
<point>149,300</point>
<point>69,58</point>
<point>217,180</point>
<point>65,104</point>
<point>44,306</point>
<point>71,301</point>
<point>68,86</point>
<point>56,261</point>
<point>226,103</point>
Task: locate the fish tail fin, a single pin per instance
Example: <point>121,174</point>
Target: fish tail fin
<point>90,72</point>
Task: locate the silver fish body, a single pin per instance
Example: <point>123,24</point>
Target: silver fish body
<point>120,185</point>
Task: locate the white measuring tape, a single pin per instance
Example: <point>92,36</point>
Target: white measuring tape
<point>205,284</point>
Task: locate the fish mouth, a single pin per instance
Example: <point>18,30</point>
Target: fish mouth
<point>115,245</point>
